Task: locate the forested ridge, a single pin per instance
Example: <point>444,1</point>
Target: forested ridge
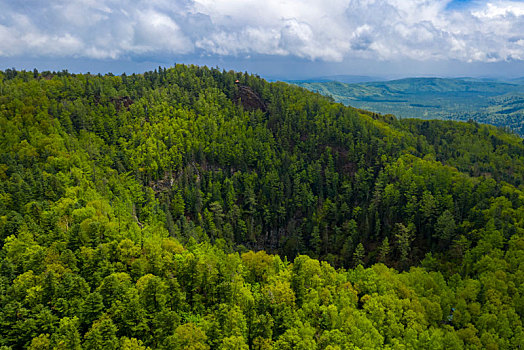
<point>193,208</point>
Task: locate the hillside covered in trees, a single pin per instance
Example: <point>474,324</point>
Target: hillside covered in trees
<point>193,208</point>
<point>499,103</point>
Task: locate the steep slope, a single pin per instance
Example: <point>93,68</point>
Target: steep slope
<point>129,204</point>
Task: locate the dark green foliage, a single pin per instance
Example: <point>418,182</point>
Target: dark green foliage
<point>131,207</point>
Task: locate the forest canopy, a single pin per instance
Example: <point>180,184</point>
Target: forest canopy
<point>194,208</point>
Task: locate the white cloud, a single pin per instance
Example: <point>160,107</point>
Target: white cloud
<point>501,9</point>
<point>335,30</point>
<point>155,31</point>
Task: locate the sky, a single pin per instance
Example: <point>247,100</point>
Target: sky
<point>277,39</point>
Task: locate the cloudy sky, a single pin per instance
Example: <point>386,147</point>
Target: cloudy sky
<point>274,38</point>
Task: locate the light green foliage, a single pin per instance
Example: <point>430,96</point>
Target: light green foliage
<point>233,342</point>
<point>41,342</point>
<point>132,344</point>
<point>187,336</point>
<point>67,335</point>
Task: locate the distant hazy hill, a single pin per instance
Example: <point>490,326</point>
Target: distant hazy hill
<point>348,79</point>
<point>487,101</point>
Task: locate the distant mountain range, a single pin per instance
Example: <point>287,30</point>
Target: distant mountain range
<point>496,102</point>
<point>348,79</point>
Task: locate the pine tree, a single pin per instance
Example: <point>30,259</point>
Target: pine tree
<point>383,250</point>
<point>358,255</point>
